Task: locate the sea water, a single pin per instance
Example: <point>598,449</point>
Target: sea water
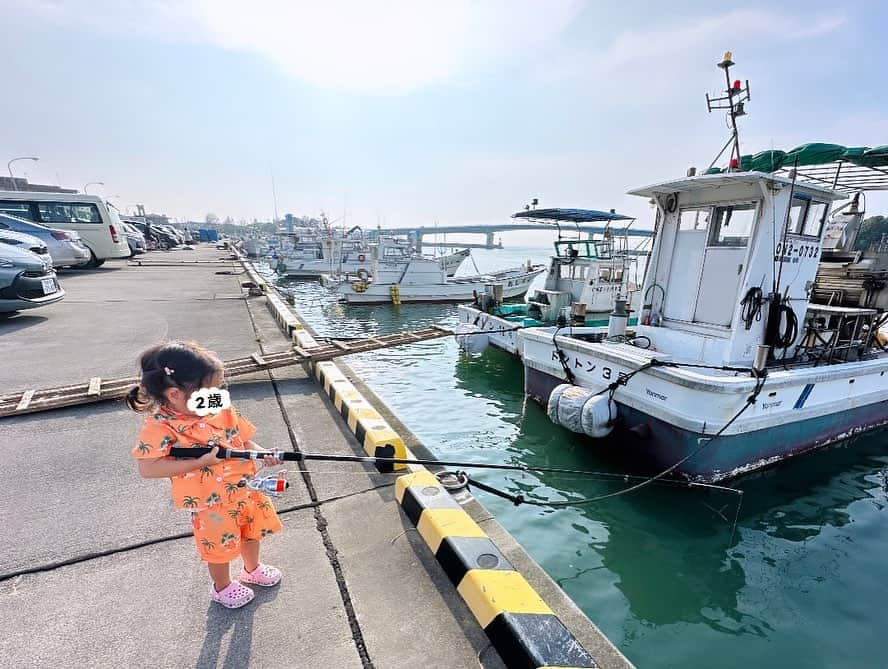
<point>664,572</point>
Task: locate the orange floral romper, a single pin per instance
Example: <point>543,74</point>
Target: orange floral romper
<point>223,512</point>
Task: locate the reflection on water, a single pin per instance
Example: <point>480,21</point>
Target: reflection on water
<point>799,582</point>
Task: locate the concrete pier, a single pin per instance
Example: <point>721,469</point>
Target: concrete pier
<point>97,570</point>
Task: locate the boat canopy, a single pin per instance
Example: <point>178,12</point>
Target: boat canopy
<point>572,215</point>
<point>840,167</point>
<point>728,178</point>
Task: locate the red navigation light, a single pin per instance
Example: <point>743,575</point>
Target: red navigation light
<point>737,85</point>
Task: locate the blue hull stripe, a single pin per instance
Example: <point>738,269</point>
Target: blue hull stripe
<point>800,402</point>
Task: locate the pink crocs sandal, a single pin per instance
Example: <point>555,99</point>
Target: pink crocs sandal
<point>233,596</point>
<point>264,575</point>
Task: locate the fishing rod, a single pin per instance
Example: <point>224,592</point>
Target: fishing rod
<point>386,464</point>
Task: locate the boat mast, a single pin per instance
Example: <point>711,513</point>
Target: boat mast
<point>274,197</point>
<point>735,100</point>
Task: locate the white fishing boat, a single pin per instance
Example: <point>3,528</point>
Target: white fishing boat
<point>585,277</point>
<point>746,354</point>
<point>336,257</point>
<point>255,246</point>
<point>424,280</point>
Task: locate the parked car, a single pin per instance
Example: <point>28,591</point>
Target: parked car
<point>174,233</point>
<point>26,242</point>
<point>134,238</point>
<point>155,236</point>
<point>64,246</point>
<point>26,280</point>
<point>97,224</point>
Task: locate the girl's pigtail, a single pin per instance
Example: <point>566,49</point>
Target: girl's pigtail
<point>137,400</point>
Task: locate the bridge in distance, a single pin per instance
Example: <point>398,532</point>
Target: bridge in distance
<point>489,229</point>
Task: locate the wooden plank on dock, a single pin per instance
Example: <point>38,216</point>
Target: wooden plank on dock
<point>95,386</point>
<point>98,390</point>
<point>26,400</point>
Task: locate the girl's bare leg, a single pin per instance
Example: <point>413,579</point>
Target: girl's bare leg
<point>220,574</point>
<point>250,554</point>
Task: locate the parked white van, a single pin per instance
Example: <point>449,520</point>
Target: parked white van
<point>100,229</point>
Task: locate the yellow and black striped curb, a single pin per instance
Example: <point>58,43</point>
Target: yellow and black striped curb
<point>520,625</point>
<point>285,318</point>
<point>255,277</point>
<point>282,314</point>
<point>372,431</point>
<point>522,628</point>
<point>304,340</point>
<point>250,269</point>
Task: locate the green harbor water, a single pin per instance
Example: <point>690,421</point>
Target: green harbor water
<point>663,571</point>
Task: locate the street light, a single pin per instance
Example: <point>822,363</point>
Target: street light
<point>93,183</point>
<point>9,167</point>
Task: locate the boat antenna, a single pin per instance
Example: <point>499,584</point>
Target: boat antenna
<point>735,102</point>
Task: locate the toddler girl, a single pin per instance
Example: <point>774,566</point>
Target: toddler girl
<point>228,518</point>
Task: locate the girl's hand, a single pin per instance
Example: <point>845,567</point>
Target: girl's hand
<point>271,461</point>
<point>209,459</point>
<point>267,460</point>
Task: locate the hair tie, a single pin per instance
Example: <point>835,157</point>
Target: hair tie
<point>168,371</point>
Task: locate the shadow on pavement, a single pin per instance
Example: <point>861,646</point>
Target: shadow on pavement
<point>237,624</point>
<point>13,322</point>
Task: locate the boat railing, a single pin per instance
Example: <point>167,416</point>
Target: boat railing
<point>595,249</point>
<point>835,334</point>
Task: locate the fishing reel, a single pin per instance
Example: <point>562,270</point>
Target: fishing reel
<point>273,483</point>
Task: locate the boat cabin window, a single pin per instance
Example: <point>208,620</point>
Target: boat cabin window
<point>576,272</point>
<point>695,218</point>
<point>610,275</point>
<point>816,217</point>
<point>732,225</point>
<point>806,216</point>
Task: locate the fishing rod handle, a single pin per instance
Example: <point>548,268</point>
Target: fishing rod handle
<point>231,454</point>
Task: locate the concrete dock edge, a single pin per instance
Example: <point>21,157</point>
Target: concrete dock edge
<point>518,621</point>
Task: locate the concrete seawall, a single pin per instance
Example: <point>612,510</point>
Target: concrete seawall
<point>97,570</point>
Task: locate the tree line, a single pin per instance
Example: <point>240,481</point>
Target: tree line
<point>871,231</point>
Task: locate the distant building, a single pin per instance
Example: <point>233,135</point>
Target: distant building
<point>21,183</point>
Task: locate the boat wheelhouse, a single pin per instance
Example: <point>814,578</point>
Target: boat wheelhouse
<point>585,278</point>
<point>745,355</point>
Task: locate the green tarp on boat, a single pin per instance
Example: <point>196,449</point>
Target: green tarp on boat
<point>814,153</point>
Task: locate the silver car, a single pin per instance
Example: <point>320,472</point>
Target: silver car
<point>64,246</point>
<point>26,242</point>
<point>26,280</point>
<point>134,238</point>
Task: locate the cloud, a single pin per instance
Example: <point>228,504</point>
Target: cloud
<point>643,51</point>
<point>387,47</point>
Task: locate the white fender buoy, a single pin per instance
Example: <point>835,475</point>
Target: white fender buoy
<point>581,410</point>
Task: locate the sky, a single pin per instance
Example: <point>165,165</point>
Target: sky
<point>410,113</point>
